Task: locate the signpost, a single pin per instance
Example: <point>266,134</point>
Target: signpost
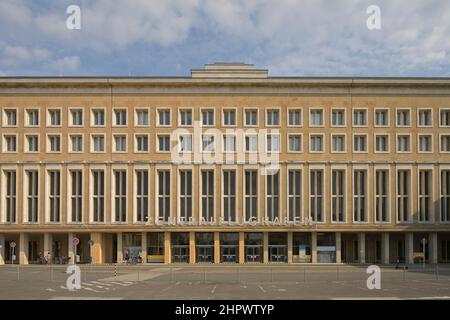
<point>91,243</point>
<point>13,244</point>
<point>75,242</point>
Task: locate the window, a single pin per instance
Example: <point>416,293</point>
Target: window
<point>403,184</point>
<point>208,143</point>
<point>54,143</point>
<point>76,143</point>
<point>403,118</point>
<point>425,143</point>
<point>164,143</point>
<point>338,118</point>
<point>338,195</point>
<point>32,143</point>
<point>294,195</point>
<point>251,195</point>
<point>381,195</point>
<point>316,143</point>
<point>381,118</point>
<point>382,143</point>
<point>142,143</point>
<point>10,143</point>
<point>316,195</point>
<point>98,117</point>
<point>186,117</point>
<point>445,196</point>
<point>164,117</point>
<point>229,117</point>
<point>54,195</point>
<point>273,196</point>
<point>54,117</point>
<point>338,143</point>
<point>141,195</point>
<point>229,143</point>
<point>315,118</point>
<point>273,143</point>
<point>76,117</point>
<point>295,117</point>
<point>120,195</point>
<point>273,117</point>
<point>425,118</point>
<point>208,195</point>
<point>207,117</point>
<point>425,194</point>
<point>98,143</point>
<point>295,143</point>
<point>185,195</point>
<point>403,143</point>
<point>163,195</point>
<point>142,117</point>
<point>359,143</point>
<point>251,143</point>
<point>229,195</point>
<point>359,118</point>
<point>445,143</point>
<point>10,118</point>
<point>359,195</point>
<point>186,143</point>
<point>444,118</point>
<point>11,196</point>
<point>251,117</point>
<point>76,196</point>
<point>120,117</point>
<point>98,196</point>
<point>32,196</point>
<point>120,143</point>
<point>33,118</point>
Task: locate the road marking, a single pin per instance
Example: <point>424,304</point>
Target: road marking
<point>262,289</point>
<point>85,298</point>
<point>214,289</point>
<point>50,289</point>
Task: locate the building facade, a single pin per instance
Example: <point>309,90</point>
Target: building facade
<point>226,166</point>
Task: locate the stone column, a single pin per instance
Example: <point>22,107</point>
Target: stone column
<point>433,248</point>
<point>314,247</point>
<point>385,247</point>
<point>119,247</point>
<point>216,247</point>
<point>97,248</point>
<point>409,247</point>
<point>265,247</point>
<point>167,251</point>
<point>70,248</point>
<point>2,249</point>
<point>362,247</point>
<point>338,248</point>
<point>48,246</point>
<point>289,246</point>
<point>23,248</point>
<point>241,247</point>
<point>192,247</point>
<point>144,247</point>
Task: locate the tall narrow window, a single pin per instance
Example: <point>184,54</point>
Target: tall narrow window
<point>444,116</point>
<point>33,117</point>
<point>11,195</point>
<point>316,195</point>
<point>425,118</point>
<point>32,196</point>
<point>185,195</point>
<point>207,117</point>
<point>99,117</point>
<point>273,196</point>
<point>208,195</point>
<point>445,195</point>
<point>229,117</point>
<point>359,196</point>
<point>338,118</point>
<point>381,196</point>
<point>142,117</point>
<point>121,117</point>
<point>185,117</point>
<point>142,195</point>
<point>76,197</point>
<point>294,117</point>
<point>120,195</point>
<point>98,196</point>
<point>251,117</point>
<point>251,195</point>
<point>11,118</point>
<point>359,118</point>
<point>315,118</point>
<point>425,195</point>
<point>163,195</point>
<point>55,196</point>
<point>381,118</point>
<point>403,184</point>
<point>229,196</point>
<point>337,195</point>
<point>295,195</point>
<point>77,117</point>
<point>273,117</point>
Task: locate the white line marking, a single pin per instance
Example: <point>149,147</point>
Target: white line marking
<point>214,289</point>
<point>262,289</point>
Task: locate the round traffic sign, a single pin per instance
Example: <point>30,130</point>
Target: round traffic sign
<point>91,242</point>
<point>75,241</point>
<point>12,244</point>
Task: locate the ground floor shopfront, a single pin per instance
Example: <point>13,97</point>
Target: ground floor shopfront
<point>226,247</point>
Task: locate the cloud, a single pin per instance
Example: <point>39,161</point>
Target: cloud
<point>65,65</point>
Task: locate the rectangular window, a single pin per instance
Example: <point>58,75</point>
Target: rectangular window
<point>32,143</point>
<point>273,117</point>
<point>185,143</point>
<point>76,143</point>
<point>186,117</point>
<point>273,196</point>
<point>425,143</point>
<point>208,195</point>
<point>338,195</point>
<point>338,118</point>
<point>381,143</point>
<point>120,195</point>
<point>316,143</point>
<point>403,184</point>
<point>120,117</point>
<point>425,118</point>
<point>76,196</point>
<point>164,143</point>
<point>381,118</point>
<point>359,118</point>
<point>445,143</point>
<point>10,143</point>
<point>359,195</point>
<point>444,116</point>
<point>273,143</point>
<point>229,143</point>
<point>207,117</point>
<point>425,194</point>
<point>229,195</point>
<point>10,196</point>
<point>316,195</point>
<point>381,195</point>
<point>294,195</point>
<point>251,195</point>
<point>315,118</point>
<point>142,195</point>
<point>120,143</point>
<point>445,196</point>
<point>54,143</point>
<point>295,143</point>
<point>55,117</point>
<point>208,143</point>
<point>99,117</point>
<point>229,117</point>
<point>33,196</point>
<point>98,196</point>
<point>295,117</point>
<point>164,117</point>
<point>403,118</point>
<point>98,143</point>
<point>163,195</point>
<point>251,117</point>
<point>77,117</point>
<point>338,143</point>
<point>142,117</point>
<point>54,195</point>
<point>142,143</point>
<point>359,143</point>
<point>403,143</point>
<point>33,117</point>
<point>185,195</point>
<point>251,143</point>
<point>11,118</point>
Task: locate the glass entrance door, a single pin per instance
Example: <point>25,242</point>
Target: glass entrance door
<point>228,253</point>
<point>205,253</point>
<point>253,253</point>
<point>180,253</point>
<point>277,253</point>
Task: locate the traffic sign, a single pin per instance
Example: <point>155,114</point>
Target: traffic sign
<point>12,244</point>
<point>75,241</point>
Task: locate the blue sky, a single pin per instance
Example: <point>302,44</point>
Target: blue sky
<point>169,37</point>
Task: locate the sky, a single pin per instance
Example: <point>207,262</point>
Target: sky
<point>170,37</point>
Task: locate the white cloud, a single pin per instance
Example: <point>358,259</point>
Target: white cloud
<point>65,65</point>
